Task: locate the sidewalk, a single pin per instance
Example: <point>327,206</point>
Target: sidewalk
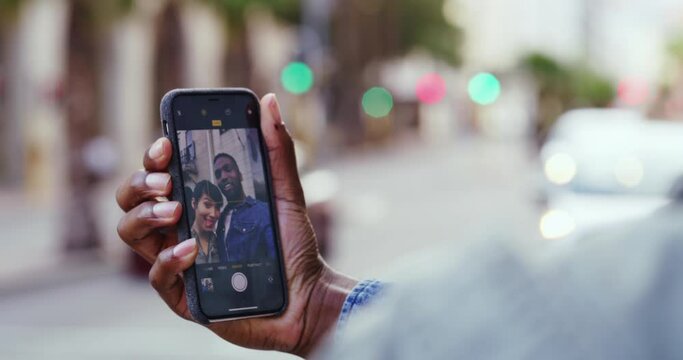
<point>32,257</point>
<point>106,317</point>
<point>28,236</point>
<point>411,197</point>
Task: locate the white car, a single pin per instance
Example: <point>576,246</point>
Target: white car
<point>603,166</point>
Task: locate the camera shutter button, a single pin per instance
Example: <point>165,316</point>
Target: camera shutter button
<point>239,282</point>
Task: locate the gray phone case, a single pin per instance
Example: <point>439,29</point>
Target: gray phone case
<point>167,123</point>
<point>168,127</point>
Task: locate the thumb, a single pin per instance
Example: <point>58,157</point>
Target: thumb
<point>286,183</point>
<point>165,275</point>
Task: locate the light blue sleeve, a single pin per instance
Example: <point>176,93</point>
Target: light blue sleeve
<point>362,294</point>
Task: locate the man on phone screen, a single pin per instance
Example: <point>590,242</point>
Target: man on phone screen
<point>244,229</point>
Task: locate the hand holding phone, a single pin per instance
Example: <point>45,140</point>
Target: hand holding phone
<point>221,176</point>
<point>315,291</point>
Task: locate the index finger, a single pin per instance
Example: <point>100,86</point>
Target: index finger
<point>158,155</point>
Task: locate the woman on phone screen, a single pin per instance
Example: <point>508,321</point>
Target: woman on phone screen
<point>207,202</point>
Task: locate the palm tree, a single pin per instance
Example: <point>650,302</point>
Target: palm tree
<point>238,69</point>
<point>561,87</point>
<point>169,54</point>
<point>87,26</point>
<point>82,125</point>
<point>9,10</point>
<point>366,32</point>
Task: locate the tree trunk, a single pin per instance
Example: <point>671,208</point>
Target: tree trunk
<point>363,32</point>
<point>4,120</point>
<point>80,231</point>
<point>237,61</point>
<point>169,56</point>
<point>11,155</point>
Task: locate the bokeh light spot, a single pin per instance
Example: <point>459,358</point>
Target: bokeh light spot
<point>556,224</point>
<point>377,102</point>
<point>484,88</point>
<point>560,168</point>
<point>633,92</point>
<point>297,78</point>
<point>431,88</point>
<point>629,171</point>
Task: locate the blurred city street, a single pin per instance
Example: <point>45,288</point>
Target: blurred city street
<point>418,125</point>
<point>408,197</point>
<point>397,201</point>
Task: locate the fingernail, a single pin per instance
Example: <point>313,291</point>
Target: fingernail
<point>184,248</point>
<point>275,109</point>
<point>164,209</point>
<point>157,181</point>
<point>157,149</point>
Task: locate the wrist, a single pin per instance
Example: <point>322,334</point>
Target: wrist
<point>326,301</point>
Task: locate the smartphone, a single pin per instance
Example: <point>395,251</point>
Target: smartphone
<point>221,175</point>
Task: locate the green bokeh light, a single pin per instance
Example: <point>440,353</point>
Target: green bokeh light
<point>484,88</point>
<point>297,78</point>
<point>378,102</point>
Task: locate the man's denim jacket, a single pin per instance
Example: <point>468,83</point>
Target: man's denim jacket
<point>250,235</point>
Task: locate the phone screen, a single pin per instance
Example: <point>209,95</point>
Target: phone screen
<point>228,204</point>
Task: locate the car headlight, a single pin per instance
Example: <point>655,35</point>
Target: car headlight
<point>556,224</point>
<point>629,171</point>
<point>560,168</point>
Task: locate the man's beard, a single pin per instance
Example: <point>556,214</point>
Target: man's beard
<point>232,191</point>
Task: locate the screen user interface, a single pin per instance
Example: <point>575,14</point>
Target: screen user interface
<point>228,209</point>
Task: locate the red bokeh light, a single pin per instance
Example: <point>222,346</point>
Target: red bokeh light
<point>632,91</point>
<point>431,88</point>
